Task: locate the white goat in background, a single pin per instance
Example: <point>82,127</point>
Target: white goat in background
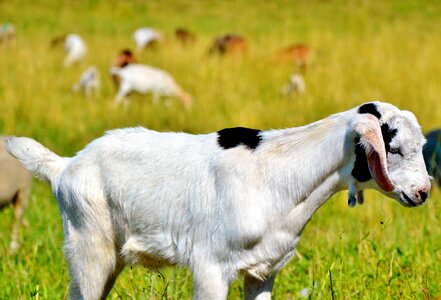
<point>146,79</point>
<point>89,82</point>
<point>146,37</point>
<point>226,203</point>
<point>76,49</point>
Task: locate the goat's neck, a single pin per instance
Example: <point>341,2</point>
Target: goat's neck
<point>309,164</point>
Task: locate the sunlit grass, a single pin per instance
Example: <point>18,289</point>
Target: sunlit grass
<point>366,50</point>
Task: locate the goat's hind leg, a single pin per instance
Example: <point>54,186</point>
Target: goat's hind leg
<point>94,265</point>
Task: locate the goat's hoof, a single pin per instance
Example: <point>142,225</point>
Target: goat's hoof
<point>352,201</point>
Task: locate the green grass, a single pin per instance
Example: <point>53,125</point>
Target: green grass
<point>386,50</point>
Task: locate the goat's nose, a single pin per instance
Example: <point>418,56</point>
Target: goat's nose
<point>422,195</point>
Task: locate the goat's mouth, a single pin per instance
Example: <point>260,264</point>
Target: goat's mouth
<point>408,202</point>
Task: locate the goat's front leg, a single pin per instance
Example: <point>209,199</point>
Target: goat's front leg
<point>209,283</point>
<point>256,289</point>
<point>123,91</point>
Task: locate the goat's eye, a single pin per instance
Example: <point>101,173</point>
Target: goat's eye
<point>395,151</point>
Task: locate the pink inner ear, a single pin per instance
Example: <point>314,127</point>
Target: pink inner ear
<point>378,171</point>
<point>371,139</point>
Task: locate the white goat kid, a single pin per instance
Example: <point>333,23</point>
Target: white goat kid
<point>223,204</point>
<point>89,82</point>
<point>76,49</point>
<point>296,84</point>
<point>146,79</point>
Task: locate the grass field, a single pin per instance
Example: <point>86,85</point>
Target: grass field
<point>366,50</point>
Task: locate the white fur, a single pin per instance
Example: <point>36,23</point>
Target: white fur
<point>76,49</point>
<point>137,196</point>
<point>144,36</point>
<point>146,79</point>
<point>89,82</point>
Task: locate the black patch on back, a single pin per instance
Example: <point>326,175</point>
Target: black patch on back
<point>361,171</point>
<point>369,108</point>
<point>233,137</point>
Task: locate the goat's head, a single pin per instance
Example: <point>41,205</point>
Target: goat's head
<point>124,58</point>
<point>389,156</point>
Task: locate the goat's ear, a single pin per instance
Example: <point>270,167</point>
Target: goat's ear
<point>368,128</point>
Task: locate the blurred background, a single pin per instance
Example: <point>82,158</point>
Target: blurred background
<point>297,61</point>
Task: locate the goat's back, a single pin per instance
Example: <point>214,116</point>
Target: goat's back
<point>130,180</point>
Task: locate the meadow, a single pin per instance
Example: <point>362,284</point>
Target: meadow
<point>365,50</point>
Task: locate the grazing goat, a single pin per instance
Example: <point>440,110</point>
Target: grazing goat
<point>299,53</point>
<point>296,84</point>
<point>7,33</point>
<point>146,79</point>
<point>89,82</point>
<point>228,44</point>
<point>432,154</point>
<point>124,58</point>
<point>146,38</point>
<point>76,49</point>
<point>185,36</point>
<point>15,187</point>
<point>226,203</point>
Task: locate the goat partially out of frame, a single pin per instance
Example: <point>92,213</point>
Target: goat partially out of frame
<point>432,154</point>
<point>15,187</point>
<point>7,34</point>
<point>227,203</point>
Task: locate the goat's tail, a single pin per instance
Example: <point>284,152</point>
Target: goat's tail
<point>36,158</point>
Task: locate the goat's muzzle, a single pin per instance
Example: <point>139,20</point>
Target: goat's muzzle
<point>418,199</point>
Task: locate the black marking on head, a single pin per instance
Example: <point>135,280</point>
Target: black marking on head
<point>369,108</point>
<point>233,137</point>
<point>388,135</point>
